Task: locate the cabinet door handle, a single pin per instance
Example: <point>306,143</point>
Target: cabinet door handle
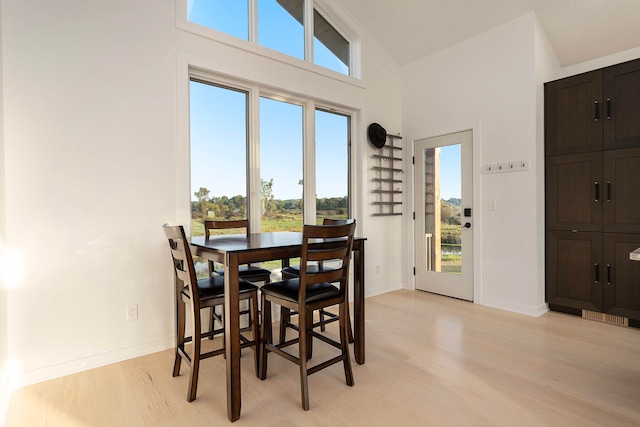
<point>608,191</point>
<point>608,108</point>
<point>597,271</point>
<point>597,190</point>
<point>596,110</point>
<point>608,274</point>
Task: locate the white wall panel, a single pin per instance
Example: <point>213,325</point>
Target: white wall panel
<point>91,112</point>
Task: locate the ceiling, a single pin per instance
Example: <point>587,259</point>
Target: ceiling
<point>578,30</point>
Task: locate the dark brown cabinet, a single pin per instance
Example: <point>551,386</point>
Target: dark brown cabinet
<point>592,167</point>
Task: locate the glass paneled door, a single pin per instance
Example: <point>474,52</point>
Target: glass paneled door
<point>444,235</point>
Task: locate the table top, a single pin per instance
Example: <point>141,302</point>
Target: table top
<point>252,241</point>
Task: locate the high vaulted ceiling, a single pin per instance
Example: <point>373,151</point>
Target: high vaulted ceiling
<point>579,30</point>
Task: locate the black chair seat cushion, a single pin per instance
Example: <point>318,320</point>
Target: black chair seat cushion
<point>294,270</point>
<point>247,270</point>
<point>210,288</point>
<point>288,290</point>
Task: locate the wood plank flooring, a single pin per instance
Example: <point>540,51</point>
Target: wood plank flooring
<point>431,361</point>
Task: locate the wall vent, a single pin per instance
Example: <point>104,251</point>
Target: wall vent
<point>606,318</point>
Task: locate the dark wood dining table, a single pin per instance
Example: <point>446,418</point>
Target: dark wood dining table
<point>233,250</point>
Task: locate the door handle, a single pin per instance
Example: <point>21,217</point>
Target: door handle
<point>467,225</point>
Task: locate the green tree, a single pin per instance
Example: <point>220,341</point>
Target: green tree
<point>202,195</point>
<point>266,195</point>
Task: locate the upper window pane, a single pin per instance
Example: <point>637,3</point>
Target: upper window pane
<point>330,49</point>
<point>280,26</point>
<point>227,16</point>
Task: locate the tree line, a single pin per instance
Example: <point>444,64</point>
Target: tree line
<point>235,207</point>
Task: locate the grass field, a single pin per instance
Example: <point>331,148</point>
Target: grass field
<point>451,263</point>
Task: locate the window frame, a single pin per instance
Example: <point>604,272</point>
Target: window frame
<point>321,6</point>
<point>254,92</point>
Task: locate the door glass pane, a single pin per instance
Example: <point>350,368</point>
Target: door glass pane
<point>332,166</point>
<point>280,26</point>
<point>227,16</point>
<point>330,49</point>
<point>443,192</point>
<point>281,134</point>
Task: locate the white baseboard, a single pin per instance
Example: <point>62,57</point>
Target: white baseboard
<point>91,362</point>
<point>516,308</point>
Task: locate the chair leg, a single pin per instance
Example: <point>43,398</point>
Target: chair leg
<point>303,346</point>
<point>310,338</point>
<point>195,358</point>
<point>348,319</point>
<point>180,331</point>
<point>346,361</point>
<point>266,332</point>
<point>285,318</point>
<point>255,328</point>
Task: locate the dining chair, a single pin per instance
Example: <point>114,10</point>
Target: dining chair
<point>248,272</point>
<point>312,290</point>
<point>293,271</point>
<point>199,294</point>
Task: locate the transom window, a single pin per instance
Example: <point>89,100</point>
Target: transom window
<point>302,29</point>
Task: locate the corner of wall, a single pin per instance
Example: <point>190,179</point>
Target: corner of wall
<point>546,66</point>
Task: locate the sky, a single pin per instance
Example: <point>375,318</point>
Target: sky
<point>450,176</point>
<point>218,118</point>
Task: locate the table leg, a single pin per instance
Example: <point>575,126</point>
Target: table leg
<point>232,335</point>
<point>358,302</point>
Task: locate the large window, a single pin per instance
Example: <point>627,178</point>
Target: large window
<point>280,25</point>
<point>218,153</point>
<point>332,165</point>
<point>261,160</point>
<point>281,143</point>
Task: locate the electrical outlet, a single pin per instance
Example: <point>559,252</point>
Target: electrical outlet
<point>132,312</point>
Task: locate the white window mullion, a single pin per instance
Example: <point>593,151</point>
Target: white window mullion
<point>253,161</point>
<point>253,21</point>
<point>308,30</point>
<point>309,168</point>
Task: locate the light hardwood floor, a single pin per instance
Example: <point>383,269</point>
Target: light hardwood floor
<point>431,361</point>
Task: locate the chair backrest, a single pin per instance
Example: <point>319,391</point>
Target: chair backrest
<point>323,243</point>
<point>224,225</point>
<point>185,274</point>
<point>331,221</point>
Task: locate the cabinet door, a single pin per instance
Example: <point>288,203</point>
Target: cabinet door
<point>622,105</point>
<point>573,114</point>
<point>621,280</point>
<point>574,269</point>
<point>574,192</point>
<point>621,193</point>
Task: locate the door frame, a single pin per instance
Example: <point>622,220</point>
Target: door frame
<point>476,229</point>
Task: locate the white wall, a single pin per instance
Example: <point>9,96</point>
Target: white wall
<point>5,393</point>
<point>94,107</point>
<point>488,84</point>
